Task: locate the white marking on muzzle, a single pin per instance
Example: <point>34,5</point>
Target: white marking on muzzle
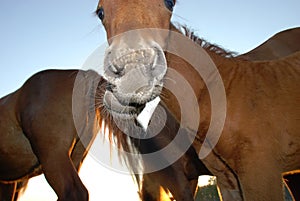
<point>144,117</point>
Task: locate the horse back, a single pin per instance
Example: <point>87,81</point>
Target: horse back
<point>280,45</point>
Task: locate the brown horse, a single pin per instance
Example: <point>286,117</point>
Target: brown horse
<point>38,135</point>
<point>280,45</point>
<point>262,115</point>
<point>287,39</point>
<point>77,151</point>
<point>152,181</point>
<point>48,125</point>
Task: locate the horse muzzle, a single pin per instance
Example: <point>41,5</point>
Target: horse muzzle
<point>135,77</point>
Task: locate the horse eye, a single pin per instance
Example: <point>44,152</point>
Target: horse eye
<point>100,13</point>
<point>170,4</point>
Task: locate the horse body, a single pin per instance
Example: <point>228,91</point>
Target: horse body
<point>280,45</point>
<point>15,142</point>
<point>15,172</point>
<point>268,88</point>
<point>283,38</point>
<point>258,94</point>
<point>180,178</point>
<point>38,135</point>
<point>265,126</point>
<point>262,104</point>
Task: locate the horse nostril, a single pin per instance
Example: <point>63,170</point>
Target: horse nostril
<point>117,69</point>
<point>109,87</point>
<point>159,66</point>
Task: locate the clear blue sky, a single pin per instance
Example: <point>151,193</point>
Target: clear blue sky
<point>38,35</point>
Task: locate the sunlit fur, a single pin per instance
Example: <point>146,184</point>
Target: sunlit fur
<point>61,154</point>
<point>256,99</point>
<point>280,45</point>
<point>216,50</point>
<point>66,79</point>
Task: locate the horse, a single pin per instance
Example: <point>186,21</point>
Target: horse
<point>66,78</point>
<point>287,39</point>
<point>32,91</point>
<point>155,180</point>
<point>280,45</point>
<point>138,69</point>
<point>38,135</point>
<point>48,125</point>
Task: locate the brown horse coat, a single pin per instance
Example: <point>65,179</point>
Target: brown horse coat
<point>38,134</point>
<point>262,115</point>
<point>288,40</point>
<point>280,45</point>
<point>258,94</point>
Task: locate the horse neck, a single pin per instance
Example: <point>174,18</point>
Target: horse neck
<point>224,67</point>
<point>224,62</point>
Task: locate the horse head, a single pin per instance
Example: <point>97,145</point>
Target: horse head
<point>135,63</point>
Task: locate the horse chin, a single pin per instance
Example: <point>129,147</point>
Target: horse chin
<point>120,110</point>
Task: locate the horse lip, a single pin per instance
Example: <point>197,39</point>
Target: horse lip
<point>139,107</point>
<point>120,109</point>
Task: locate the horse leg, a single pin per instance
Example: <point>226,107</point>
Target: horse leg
<point>153,182</point>
<point>170,178</point>
<point>59,170</point>
<point>20,188</point>
<point>177,182</point>
<point>227,181</point>
<point>78,154</point>
<point>227,193</point>
<point>261,179</point>
<point>263,188</point>
<point>194,186</point>
<point>181,190</point>
<point>7,191</point>
<point>63,178</point>
<point>150,190</point>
